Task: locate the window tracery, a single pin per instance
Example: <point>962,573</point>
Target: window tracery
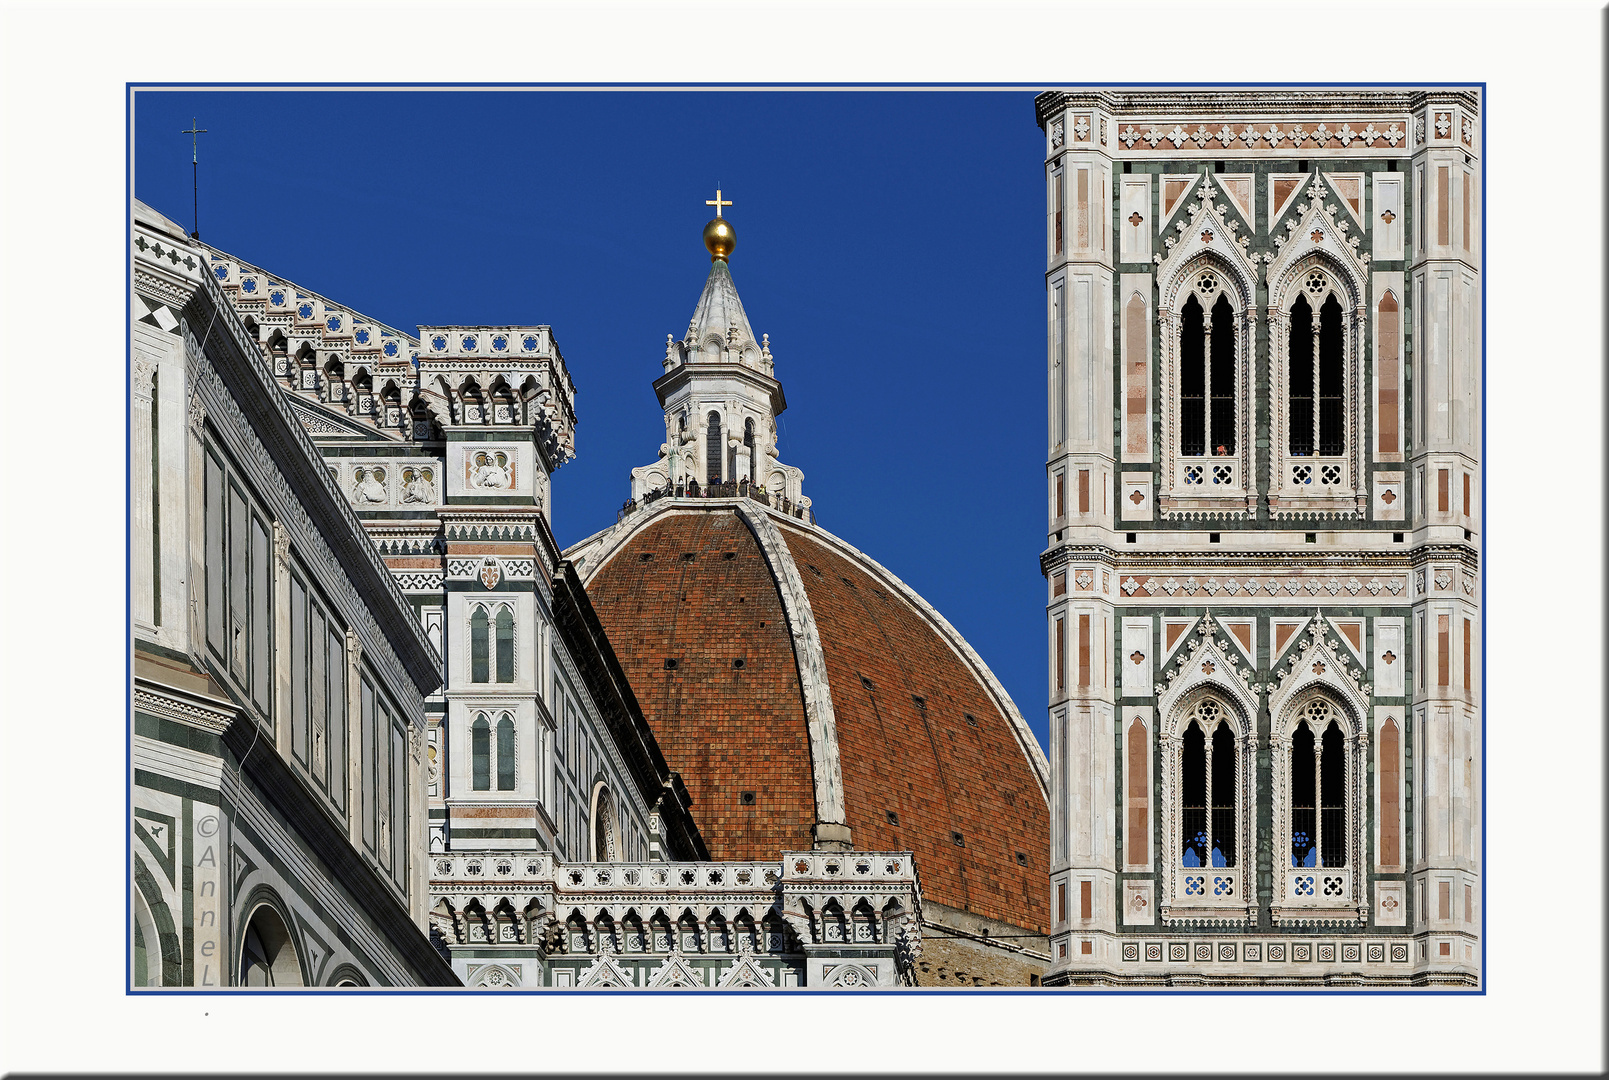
<point>491,643</point>
<point>1207,803</point>
<point>1208,330</point>
<point>1316,295</point>
<point>1319,751</point>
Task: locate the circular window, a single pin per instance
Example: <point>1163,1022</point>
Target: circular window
<point>305,311</point>
<point>499,343</point>
<point>1207,283</point>
<point>1316,282</point>
<point>529,343</point>
<point>438,343</point>
<point>276,298</point>
<point>468,342</point>
<point>391,348</point>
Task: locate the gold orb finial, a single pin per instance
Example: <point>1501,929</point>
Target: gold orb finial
<point>718,234</point>
<point>719,238</point>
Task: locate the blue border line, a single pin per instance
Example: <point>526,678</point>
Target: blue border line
<point>128,596</point>
<point>128,542</point>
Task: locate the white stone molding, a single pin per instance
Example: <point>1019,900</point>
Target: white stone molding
<point>820,719</point>
<point>170,703</point>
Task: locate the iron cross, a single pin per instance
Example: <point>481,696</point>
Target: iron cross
<point>195,179</point>
<point>717,202</point>
<point>193,131</point>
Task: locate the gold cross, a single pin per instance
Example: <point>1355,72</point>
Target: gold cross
<point>717,202</point>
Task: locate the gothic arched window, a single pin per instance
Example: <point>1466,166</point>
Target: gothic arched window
<point>1192,382</point>
<point>604,839</point>
<point>712,450</point>
<point>505,644</point>
<point>1318,789</point>
<point>1301,379</point>
<point>505,753</point>
<point>1207,380</point>
<point>480,753</point>
<point>1317,380</point>
<point>479,647</point>
<point>1331,391</point>
<point>1208,790</point>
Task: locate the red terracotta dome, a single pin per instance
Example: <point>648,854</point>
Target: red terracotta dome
<point>808,697</point>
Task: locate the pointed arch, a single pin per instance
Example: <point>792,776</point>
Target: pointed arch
<point>1207,321</point>
<point>1319,753</point>
<point>1207,755</point>
<point>1315,266</point>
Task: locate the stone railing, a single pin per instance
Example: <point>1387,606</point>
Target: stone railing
<point>729,489</point>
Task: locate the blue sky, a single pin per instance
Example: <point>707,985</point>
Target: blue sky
<point>890,243</point>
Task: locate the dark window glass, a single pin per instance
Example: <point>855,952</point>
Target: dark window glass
<point>505,754</point>
<point>1192,382</point>
<point>480,753</point>
<point>748,441</point>
<point>1331,394</point>
<point>712,449</point>
<point>1304,804</point>
<point>505,644</point>
<point>1223,377</point>
<point>478,670</point>
<point>1301,379</point>
<point>1332,773</point>
<point>1223,796</point>
<point>1193,796</point>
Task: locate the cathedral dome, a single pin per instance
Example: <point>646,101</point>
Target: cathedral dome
<point>809,698</point>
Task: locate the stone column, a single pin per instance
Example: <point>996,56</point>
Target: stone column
<point>1444,478</point>
<point>1081,471</point>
